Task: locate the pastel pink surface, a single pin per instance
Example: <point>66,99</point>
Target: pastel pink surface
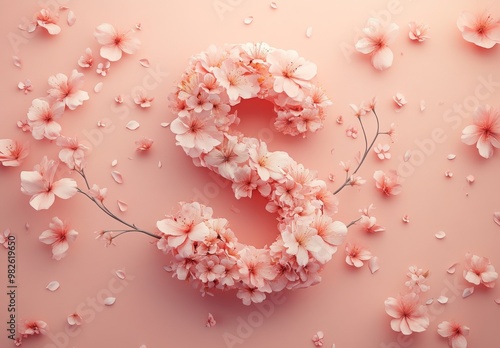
<point>153,309</point>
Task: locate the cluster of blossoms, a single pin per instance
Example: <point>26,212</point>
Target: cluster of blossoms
<point>205,249</point>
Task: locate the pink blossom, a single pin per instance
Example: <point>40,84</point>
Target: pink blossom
<point>12,152</point>
<point>356,255</point>
<point>418,31</point>
<point>42,186</point>
<point>299,239</point>
<point>48,20</point>
<point>74,319</point>
<point>98,193</point>
<point>236,80</point>
<point>409,315</point>
<point>399,100</point>
<point>210,269</point>
<point>485,130</point>
<point>23,125</point>
<point>42,116</point>
<point>369,224</point>
<point>268,164</point>
<point>4,238</point>
<point>291,72</point>
<point>250,295</point>
<point>67,89</point>
<point>25,86</point>
<point>227,156</point>
<point>479,270</point>
<point>196,131</point>
<point>417,279</point>
<point>376,42</point>
<point>455,333</point>
<point>59,235</point>
<point>387,183</point>
<point>32,327</point>
<point>246,180</point>
<point>142,99</point>
<point>318,339</point>
<point>256,267</point>
<point>382,151</point>
<point>87,60</point>
<point>103,68</point>
<point>210,320</point>
<point>72,152</point>
<point>115,42</point>
<point>356,180</point>
<point>482,29</point>
<point>351,132</point>
<point>144,144</point>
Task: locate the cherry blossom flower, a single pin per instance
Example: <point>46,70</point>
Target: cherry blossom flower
<point>144,144</point>
<point>115,42</point>
<point>210,320</point>
<point>87,60</point>
<point>227,156</point>
<point>479,270</point>
<point>209,269</point>
<point>48,20</point>
<point>4,238</point>
<point>318,339</point>
<point>42,186</point>
<point>376,42</point>
<point>268,164</point>
<point>25,86</point>
<point>98,193</point>
<point>103,68</point>
<point>141,98</point>
<point>382,151</point>
<point>12,152</point>
<point>42,116</point>
<point>67,89</point>
<point>74,319</point>
<point>455,333</point>
<point>246,180</point>
<point>300,239</point>
<point>418,31</point>
<point>417,278</point>
<point>481,30</point>
<point>32,327</point>
<point>387,183</point>
<point>72,152</point>
<point>356,180</point>
<point>409,315</point>
<point>236,80</point>
<point>369,224</point>
<point>59,235</point>
<point>352,132</point>
<point>485,130</point>
<point>250,295</point>
<point>256,267</point>
<point>399,100</point>
<point>356,255</point>
<point>23,125</point>
<point>291,72</point>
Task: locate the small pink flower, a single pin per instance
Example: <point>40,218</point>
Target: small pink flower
<point>119,99</point>
<point>67,90</point>
<point>48,20</point>
<point>356,255</point>
<point>42,186</point>
<point>418,31</point>
<point>210,320</point>
<point>300,239</point>
<point>376,42</point>
<point>236,80</point>
<point>42,116</point>
<point>400,100</point>
<point>387,183</point>
<point>144,144</point>
<point>12,152</point>
<point>4,238</point>
<point>59,235</point>
<point>24,125</point>
<point>369,224</point>
<point>32,327</point>
<point>98,193</point>
<point>479,270</point>
<point>25,86</point>
<point>318,339</point>
<point>382,151</point>
<point>356,180</point>
<point>115,42</point>
<point>417,278</point>
<point>409,315</point>
<point>142,99</point>
<point>87,60</point>
<point>482,30</point>
<point>72,152</point>
<point>485,130</point>
<point>74,319</point>
<point>103,68</point>
<point>455,333</point>
<point>351,132</point>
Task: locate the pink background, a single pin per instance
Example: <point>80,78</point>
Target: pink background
<point>348,305</point>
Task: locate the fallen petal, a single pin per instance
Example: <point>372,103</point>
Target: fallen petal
<point>373,264</point>
<point>109,301</point>
<point>442,299</point>
<point>53,285</point>
<point>406,219</point>
<point>448,174</point>
<point>144,62</point>
<point>309,31</point>
<point>452,268</point>
<point>17,61</point>
<point>451,156</point>
<point>121,274</point>
<point>159,164</point>
<point>122,205</point>
<point>114,163</point>
<point>74,319</point>
<point>274,6</point>
<point>165,124</point>
<point>248,20</point>
<point>71,18</point>
<point>496,217</point>
<point>407,156</point>
<point>467,292</point>
<point>423,105</point>
<point>429,301</point>
<point>440,235</point>
<point>133,125</point>
<point>98,87</point>
<point>470,179</point>
<point>117,176</point>
<point>497,301</point>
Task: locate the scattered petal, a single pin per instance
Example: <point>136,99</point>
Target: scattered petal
<point>27,226</point>
<point>144,144</point>
<point>53,285</point>
<point>144,62</point>
<point>440,235</point>
<point>448,174</point>
<point>497,301</point>
<point>399,99</point>
<point>442,299</point>
<point>407,155</point>
<point>406,219</point>
<point>309,31</point>
<point>71,18</point>
<point>122,205</point>
<point>423,105</point>
<point>165,124</point>
<point>331,177</point>
<point>496,217</point>
<point>159,164</point>
<point>98,87</point>
<point>451,156</point>
<point>114,163</point>
<point>210,320</point>
<point>138,26</point>
<point>340,119</point>
<point>117,176</point>
<point>248,20</point>
<point>373,264</point>
<point>274,6</point>
<point>452,268</point>
<point>133,125</point>
<point>101,124</point>
<point>119,99</point>
<point>429,301</point>
<point>25,86</point>
<point>17,61</point>
<point>109,301</point>
<point>467,292</point>
<point>74,319</point>
<point>470,179</point>
<point>121,274</point>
